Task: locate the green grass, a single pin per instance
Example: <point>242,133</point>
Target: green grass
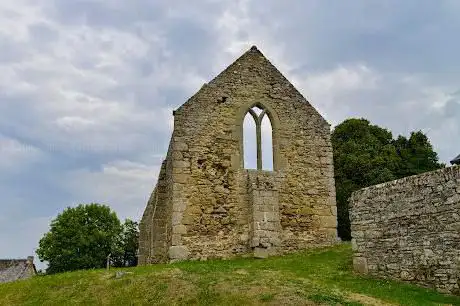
<point>315,277</point>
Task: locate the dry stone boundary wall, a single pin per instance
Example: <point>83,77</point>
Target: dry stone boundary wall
<point>409,229</point>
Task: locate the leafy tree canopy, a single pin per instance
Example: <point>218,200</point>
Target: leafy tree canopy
<point>80,238</point>
<point>125,251</point>
<point>366,155</point>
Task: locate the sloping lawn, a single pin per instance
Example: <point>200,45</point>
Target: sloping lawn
<point>315,277</point>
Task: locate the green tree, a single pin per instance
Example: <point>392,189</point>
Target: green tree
<point>417,155</point>
<point>125,253</point>
<point>80,238</point>
<point>366,155</point>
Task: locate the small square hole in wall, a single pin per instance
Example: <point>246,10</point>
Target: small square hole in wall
<point>222,99</point>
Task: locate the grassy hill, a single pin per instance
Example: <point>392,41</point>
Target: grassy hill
<point>316,277</point>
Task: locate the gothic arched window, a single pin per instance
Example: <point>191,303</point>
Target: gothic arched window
<point>257,139</point>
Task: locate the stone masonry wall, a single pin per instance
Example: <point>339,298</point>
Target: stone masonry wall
<point>155,228</point>
<point>213,206</point>
<point>409,229</point>
<point>263,188</point>
<point>16,269</point>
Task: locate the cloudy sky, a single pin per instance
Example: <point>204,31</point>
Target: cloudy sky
<point>87,87</point>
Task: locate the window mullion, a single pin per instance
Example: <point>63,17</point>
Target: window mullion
<point>259,143</point>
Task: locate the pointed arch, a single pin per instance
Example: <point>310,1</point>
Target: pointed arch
<point>249,141</point>
<point>265,141</point>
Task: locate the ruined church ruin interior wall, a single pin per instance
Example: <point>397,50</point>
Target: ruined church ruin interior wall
<point>409,229</point>
<point>206,205</point>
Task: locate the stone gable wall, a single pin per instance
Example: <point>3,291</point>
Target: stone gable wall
<point>213,200</point>
<point>409,229</point>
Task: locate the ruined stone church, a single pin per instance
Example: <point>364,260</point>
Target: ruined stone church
<point>207,205</point>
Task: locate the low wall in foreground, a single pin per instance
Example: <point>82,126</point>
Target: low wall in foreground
<point>409,229</point>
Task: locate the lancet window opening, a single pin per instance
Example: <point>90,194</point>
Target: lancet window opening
<point>263,138</point>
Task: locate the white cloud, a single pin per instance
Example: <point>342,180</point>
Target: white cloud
<point>342,79</point>
<point>329,91</point>
<point>74,86</point>
<point>17,16</point>
<point>237,29</point>
<point>16,156</point>
<point>103,77</point>
<point>122,184</point>
<point>19,239</point>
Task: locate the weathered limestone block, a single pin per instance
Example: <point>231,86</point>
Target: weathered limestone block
<point>179,229</point>
<point>328,221</point>
<point>178,252</point>
<point>360,265</point>
<point>408,229</point>
<point>261,252</point>
<point>206,205</point>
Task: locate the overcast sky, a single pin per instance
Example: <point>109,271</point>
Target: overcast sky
<point>87,87</point>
